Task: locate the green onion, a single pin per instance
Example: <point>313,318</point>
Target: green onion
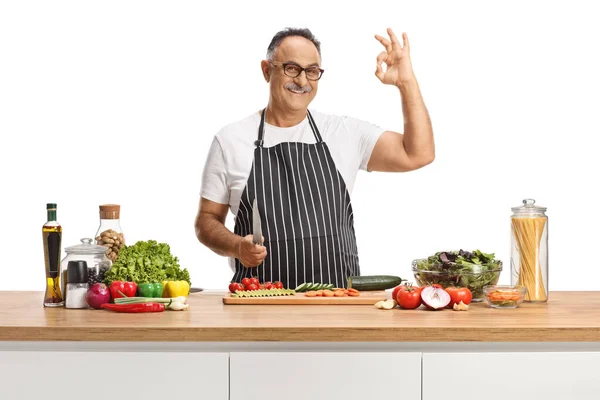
<point>136,300</point>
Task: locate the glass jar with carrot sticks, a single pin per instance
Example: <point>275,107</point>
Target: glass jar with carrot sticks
<point>529,250</point>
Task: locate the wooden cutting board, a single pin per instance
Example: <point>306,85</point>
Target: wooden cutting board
<point>365,298</point>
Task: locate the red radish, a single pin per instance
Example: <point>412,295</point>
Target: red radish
<point>435,298</point>
<point>97,295</point>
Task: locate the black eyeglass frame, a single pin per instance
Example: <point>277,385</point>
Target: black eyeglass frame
<point>285,64</point>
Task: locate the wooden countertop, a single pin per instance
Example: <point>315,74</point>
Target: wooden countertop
<point>567,317</point>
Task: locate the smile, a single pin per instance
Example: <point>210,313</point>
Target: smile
<point>299,93</point>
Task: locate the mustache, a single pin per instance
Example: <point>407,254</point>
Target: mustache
<point>293,86</point>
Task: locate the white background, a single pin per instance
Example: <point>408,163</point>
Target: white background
<point>118,101</point>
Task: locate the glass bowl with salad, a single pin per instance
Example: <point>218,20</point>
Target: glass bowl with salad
<point>461,268</point>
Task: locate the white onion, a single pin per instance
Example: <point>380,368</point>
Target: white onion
<point>435,298</point>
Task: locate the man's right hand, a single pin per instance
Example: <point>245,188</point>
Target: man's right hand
<point>250,254</point>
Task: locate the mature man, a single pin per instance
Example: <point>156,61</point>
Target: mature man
<point>300,166</point>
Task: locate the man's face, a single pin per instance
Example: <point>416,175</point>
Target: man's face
<point>289,92</point>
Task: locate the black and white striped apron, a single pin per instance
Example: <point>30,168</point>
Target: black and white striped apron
<point>306,215</point>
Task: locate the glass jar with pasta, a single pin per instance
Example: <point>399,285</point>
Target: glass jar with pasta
<point>529,250</point>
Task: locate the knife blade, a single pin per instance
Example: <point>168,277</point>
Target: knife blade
<point>256,227</point>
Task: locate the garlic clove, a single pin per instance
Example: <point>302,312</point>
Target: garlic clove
<point>460,306</point>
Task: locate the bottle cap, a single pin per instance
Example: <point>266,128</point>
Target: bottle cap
<point>51,206</point>
<point>77,271</point>
<point>110,211</point>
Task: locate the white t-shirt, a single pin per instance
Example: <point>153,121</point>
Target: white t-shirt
<point>229,162</point>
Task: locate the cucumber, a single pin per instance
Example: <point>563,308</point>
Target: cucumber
<point>374,282</point>
<point>306,286</point>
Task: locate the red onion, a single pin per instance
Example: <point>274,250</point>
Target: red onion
<point>97,295</point>
<point>435,298</point>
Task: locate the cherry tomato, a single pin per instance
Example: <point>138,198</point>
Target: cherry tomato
<point>255,281</point>
<point>278,285</point>
<point>246,281</point>
<point>409,298</point>
<point>252,286</point>
<point>235,286</point>
<point>268,286</point>
<point>458,294</point>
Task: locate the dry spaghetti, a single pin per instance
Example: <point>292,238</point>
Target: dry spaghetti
<point>527,234</point>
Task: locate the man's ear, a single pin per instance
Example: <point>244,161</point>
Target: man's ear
<point>264,65</point>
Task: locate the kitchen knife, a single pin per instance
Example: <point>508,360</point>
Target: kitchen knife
<point>256,228</point>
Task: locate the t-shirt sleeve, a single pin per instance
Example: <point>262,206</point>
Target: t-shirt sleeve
<point>366,135</point>
<point>214,177</point>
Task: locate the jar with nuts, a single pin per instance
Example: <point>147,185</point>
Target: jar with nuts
<point>110,234</point>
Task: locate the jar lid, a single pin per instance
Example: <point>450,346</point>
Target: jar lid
<point>86,247</point>
<point>110,211</point>
<point>528,207</point>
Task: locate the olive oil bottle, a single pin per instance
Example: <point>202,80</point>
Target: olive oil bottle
<point>52,235</point>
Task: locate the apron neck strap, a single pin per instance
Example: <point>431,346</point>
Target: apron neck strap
<point>313,126</point>
<point>261,129</point>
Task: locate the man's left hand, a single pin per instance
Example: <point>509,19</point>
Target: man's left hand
<point>397,59</point>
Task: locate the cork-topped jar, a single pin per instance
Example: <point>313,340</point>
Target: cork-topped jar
<point>110,234</point>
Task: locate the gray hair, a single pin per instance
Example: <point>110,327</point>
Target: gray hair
<point>287,32</point>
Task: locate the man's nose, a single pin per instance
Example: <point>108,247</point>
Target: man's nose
<point>301,79</point>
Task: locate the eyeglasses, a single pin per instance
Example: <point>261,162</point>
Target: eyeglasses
<point>293,70</point>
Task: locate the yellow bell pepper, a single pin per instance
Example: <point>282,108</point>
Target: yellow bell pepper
<point>165,289</point>
<point>176,288</point>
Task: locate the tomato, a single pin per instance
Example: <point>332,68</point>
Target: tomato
<point>255,281</point>
<point>268,286</point>
<point>252,286</point>
<point>409,298</point>
<point>278,285</point>
<point>458,294</point>
<point>246,281</point>
<point>235,286</point>
<point>396,290</point>
<point>401,288</point>
<point>437,285</point>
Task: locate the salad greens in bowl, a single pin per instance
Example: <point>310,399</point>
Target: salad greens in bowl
<point>472,270</point>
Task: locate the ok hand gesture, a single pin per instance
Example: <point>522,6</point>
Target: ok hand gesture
<point>396,58</point>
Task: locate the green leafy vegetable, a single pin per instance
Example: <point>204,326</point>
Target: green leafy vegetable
<point>146,262</point>
<point>473,270</point>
